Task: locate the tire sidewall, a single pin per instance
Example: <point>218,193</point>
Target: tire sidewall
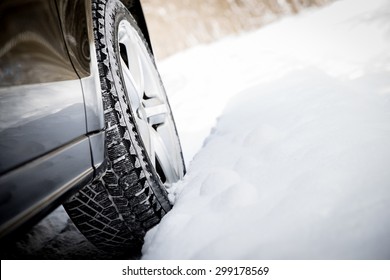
<point>118,90</point>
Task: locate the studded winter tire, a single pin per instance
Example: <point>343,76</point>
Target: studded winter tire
<point>144,157</point>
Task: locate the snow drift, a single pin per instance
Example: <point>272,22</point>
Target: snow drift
<point>297,163</point>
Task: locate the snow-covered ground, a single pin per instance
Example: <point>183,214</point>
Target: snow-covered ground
<point>297,164</point>
<point>286,134</point>
<point>55,237</point>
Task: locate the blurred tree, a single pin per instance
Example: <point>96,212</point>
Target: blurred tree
<point>178,24</point>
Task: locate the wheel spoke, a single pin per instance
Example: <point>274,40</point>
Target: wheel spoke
<point>144,130</point>
<point>164,158</point>
<point>133,58</point>
<point>155,111</point>
<point>151,88</point>
<point>149,106</point>
<point>139,73</point>
<point>132,92</point>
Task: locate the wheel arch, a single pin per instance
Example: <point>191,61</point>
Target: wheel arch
<point>135,8</point>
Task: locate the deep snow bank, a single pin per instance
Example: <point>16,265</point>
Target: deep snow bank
<point>297,165</point>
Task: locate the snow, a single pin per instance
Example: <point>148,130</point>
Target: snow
<point>286,133</point>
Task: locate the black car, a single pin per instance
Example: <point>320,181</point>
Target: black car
<point>84,120</point>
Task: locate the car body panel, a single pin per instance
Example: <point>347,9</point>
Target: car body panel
<point>37,119</point>
<point>55,174</point>
<point>75,24</point>
<point>52,137</point>
<point>32,45</point>
<point>44,145</point>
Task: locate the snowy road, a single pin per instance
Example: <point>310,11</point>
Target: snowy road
<point>286,134</point>
<point>297,164</point>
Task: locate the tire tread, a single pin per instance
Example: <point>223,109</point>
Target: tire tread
<point>115,211</point>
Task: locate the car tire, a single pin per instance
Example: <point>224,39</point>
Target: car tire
<point>144,156</point>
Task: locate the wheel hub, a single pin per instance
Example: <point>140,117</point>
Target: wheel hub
<point>148,102</point>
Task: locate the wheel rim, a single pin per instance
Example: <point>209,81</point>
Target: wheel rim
<point>149,105</point>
